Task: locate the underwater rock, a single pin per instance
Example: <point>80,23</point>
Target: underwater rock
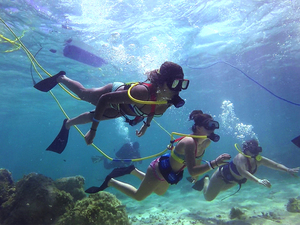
<point>270,216</point>
<point>7,190</point>
<point>72,185</point>
<point>236,213</point>
<point>102,208</point>
<point>36,201</point>
<point>6,185</point>
<point>293,205</point>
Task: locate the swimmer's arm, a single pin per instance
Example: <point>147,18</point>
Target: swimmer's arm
<point>144,127</point>
<point>249,176</point>
<point>277,166</point>
<point>117,97</point>
<point>198,163</point>
<point>246,174</point>
<point>189,150</point>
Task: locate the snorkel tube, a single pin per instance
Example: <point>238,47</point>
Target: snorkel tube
<point>257,158</point>
<point>176,100</point>
<point>214,138</point>
<point>144,102</point>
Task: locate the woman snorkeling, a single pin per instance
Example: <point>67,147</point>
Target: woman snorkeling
<point>119,99</point>
<point>240,169</point>
<point>168,169</point>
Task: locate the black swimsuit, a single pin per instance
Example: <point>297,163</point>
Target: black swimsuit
<point>227,175</point>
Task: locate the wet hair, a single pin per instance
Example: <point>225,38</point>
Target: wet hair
<point>199,118</point>
<point>167,71</point>
<point>252,146</point>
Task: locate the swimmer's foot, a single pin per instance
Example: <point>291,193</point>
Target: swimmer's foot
<point>49,83</point>
<point>103,186</point>
<point>60,142</point>
<point>118,172</point>
<point>198,186</point>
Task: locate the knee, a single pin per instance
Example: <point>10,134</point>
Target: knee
<point>82,93</point>
<point>209,198</point>
<point>140,198</point>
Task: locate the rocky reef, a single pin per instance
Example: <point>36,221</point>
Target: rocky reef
<point>101,208</point>
<point>236,213</point>
<point>293,205</point>
<point>37,199</point>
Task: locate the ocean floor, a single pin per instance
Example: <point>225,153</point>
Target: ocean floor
<point>260,205</point>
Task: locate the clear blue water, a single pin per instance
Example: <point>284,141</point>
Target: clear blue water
<point>259,37</point>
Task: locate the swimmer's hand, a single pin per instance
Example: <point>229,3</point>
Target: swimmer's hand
<point>89,137</point>
<point>142,131</point>
<point>293,171</point>
<point>222,159</point>
<point>264,182</point>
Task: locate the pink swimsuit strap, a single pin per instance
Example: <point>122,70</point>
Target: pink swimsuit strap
<point>153,165</point>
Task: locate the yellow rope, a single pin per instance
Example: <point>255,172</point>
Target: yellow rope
<point>32,58</point>
<point>19,44</point>
<point>33,61</point>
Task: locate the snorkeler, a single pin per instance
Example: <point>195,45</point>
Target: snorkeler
<point>124,155</point>
<point>168,169</point>
<point>113,100</point>
<point>239,170</point>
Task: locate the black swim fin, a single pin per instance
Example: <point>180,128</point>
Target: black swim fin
<point>121,171</point>
<point>61,140</point>
<point>48,83</point>
<point>296,141</point>
<point>117,172</point>
<point>198,186</point>
<point>104,185</point>
<point>190,179</point>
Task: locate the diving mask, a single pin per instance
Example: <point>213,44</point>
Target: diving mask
<point>214,137</point>
<point>256,150</point>
<point>211,125</point>
<point>177,101</point>
<point>178,84</point>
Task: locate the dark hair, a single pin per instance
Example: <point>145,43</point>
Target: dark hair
<point>199,117</point>
<point>252,146</point>
<point>167,71</point>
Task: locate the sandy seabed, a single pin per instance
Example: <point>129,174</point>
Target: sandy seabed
<point>260,205</point>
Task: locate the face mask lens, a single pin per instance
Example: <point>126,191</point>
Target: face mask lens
<point>212,125</point>
<point>175,84</point>
<point>255,150</point>
<point>185,84</point>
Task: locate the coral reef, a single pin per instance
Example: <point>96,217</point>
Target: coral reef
<point>72,185</point>
<point>293,205</point>
<point>7,190</point>
<point>36,201</point>
<point>101,208</point>
<point>6,185</point>
<point>236,213</point>
<point>270,216</point>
